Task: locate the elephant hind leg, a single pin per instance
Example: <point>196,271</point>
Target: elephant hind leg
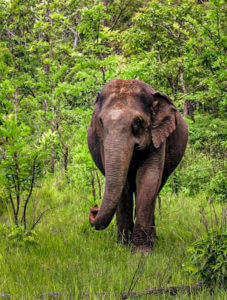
<point>124,216</point>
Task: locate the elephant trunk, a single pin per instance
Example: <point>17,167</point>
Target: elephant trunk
<point>117,159</point>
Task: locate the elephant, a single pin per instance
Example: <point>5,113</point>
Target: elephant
<point>136,137</point>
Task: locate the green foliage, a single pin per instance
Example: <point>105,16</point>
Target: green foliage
<point>208,134</point>
<point>195,171</point>
<point>207,258</point>
<point>198,172</point>
<point>218,185</point>
<point>71,258</point>
<point>20,165</point>
<point>203,166</point>
<point>182,46</point>
<point>54,58</point>
<point>17,236</point>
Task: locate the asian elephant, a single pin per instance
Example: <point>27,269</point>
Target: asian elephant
<point>137,138</point>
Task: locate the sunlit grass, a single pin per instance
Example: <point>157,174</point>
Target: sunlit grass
<point>78,262</point>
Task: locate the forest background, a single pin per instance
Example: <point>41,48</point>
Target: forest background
<point>55,56</point>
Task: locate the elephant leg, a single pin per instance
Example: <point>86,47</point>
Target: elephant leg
<point>148,182</point>
<point>124,216</point>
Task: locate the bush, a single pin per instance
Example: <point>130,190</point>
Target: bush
<point>21,166</point>
<point>207,258</point>
<point>17,236</point>
<point>208,135</point>
<point>207,255</point>
<point>218,185</point>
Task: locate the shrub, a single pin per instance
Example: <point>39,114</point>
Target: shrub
<point>17,236</point>
<point>208,135</point>
<point>218,185</point>
<point>207,258</point>
<point>21,166</point>
<point>200,171</point>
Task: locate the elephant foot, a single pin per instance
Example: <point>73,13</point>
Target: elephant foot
<point>143,240</point>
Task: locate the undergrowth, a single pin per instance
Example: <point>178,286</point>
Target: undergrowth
<point>70,258</point>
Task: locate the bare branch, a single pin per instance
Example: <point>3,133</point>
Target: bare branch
<point>40,217</point>
<point>168,29</point>
<point>76,36</point>
<point>66,152</point>
<point>119,15</point>
<point>13,206</point>
<point>30,192</point>
<point>17,182</point>
<point>135,277</point>
<point>10,32</point>
<point>172,290</point>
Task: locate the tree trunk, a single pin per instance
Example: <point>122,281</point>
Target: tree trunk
<point>52,159</point>
<point>105,2</point>
<point>188,109</point>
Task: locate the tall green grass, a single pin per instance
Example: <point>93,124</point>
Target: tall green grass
<point>80,263</point>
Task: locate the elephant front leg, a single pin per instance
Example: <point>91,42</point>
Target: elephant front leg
<point>148,181</point>
<point>124,216</point>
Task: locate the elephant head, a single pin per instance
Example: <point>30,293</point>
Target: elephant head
<point>129,117</point>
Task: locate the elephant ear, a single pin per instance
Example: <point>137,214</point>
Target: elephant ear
<point>163,115</point>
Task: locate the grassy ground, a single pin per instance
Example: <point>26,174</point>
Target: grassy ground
<point>80,263</point>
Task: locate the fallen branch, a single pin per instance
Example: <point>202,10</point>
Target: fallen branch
<point>172,290</point>
<point>51,295</point>
<point>5,295</point>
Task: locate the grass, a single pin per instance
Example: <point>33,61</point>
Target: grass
<point>80,263</point>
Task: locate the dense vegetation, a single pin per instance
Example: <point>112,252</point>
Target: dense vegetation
<point>54,58</point>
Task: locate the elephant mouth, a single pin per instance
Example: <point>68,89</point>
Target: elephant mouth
<point>93,213</point>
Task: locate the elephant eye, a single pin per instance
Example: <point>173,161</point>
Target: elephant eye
<point>138,126</point>
<point>100,121</point>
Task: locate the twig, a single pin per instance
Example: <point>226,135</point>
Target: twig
<point>51,295</point>
<point>172,290</point>
<point>17,182</point>
<point>13,206</point>
<point>164,274</point>
<point>168,28</point>
<point>182,97</point>
<point>30,193</point>
<point>135,277</point>
<point>65,153</point>
<point>119,16</point>
<point>76,36</point>
<point>160,206</point>
<point>39,218</point>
